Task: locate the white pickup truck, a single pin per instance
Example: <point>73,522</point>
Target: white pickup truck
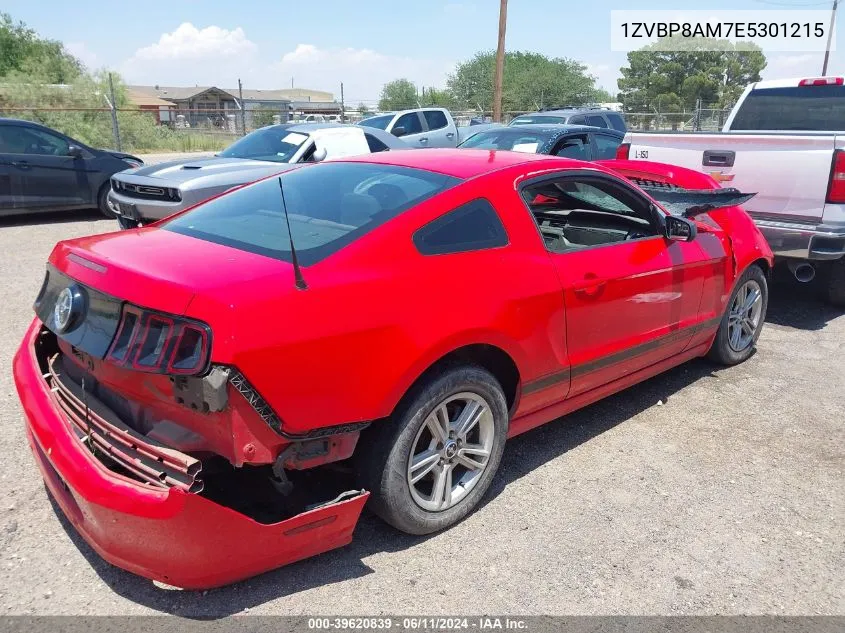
<point>425,127</point>
<point>784,140</point>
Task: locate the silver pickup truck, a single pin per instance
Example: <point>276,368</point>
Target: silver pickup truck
<point>425,127</point>
<point>784,140</point>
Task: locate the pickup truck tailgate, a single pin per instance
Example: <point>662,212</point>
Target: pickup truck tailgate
<point>789,173</point>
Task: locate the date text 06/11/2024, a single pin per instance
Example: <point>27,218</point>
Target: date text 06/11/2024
<point>421,623</point>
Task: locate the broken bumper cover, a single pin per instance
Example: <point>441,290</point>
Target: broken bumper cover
<point>164,534</point>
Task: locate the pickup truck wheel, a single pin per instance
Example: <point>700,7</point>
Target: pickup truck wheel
<point>743,319</point>
<point>430,465</point>
<point>836,283</point>
<point>103,201</point>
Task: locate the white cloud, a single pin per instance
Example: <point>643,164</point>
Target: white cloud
<point>605,75</point>
<point>84,54</point>
<point>363,71</point>
<point>192,56</point>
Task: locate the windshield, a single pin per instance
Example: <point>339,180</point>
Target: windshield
<point>809,108</point>
<point>275,143</point>
<point>380,122</point>
<point>534,118</point>
<point>508,139</point>
<point>329,205</point>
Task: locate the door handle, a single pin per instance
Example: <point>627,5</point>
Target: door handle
<point>716,158</point>
<point>450,135</point>
<point>423,140</point>
<point>22,164</point>
<point>590,286</point>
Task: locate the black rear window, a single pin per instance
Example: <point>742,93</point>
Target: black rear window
<point>801,108</point>
<point>617,122</point>
<point>329,206</point>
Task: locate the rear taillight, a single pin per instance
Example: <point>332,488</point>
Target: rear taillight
<point>822,81</point>
<point>622,151</point>
<point>836,187</point>
<point>160,343</point>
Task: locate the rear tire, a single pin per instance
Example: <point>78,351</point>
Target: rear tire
<point>743,319</point>
<point>835,290</point>
<point>103,202</point>
<point>425,469</point>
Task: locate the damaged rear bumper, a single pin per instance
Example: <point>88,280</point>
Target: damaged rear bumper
<point>163,533</point>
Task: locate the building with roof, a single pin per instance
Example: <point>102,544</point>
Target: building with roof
<point>210,106</point>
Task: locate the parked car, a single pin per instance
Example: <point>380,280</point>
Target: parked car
<point>784,140</point>
<point>425,127</point>
<point>568,141</point>
<point>144,195</point>
<point>44,170</point>
<point>372,327</point>
<point>592,116</point>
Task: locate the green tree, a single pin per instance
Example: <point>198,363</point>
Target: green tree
<point>23,52</point>
<point>434,98</point>
<point>658,79</point>
<point>363,110</point>
<point>399,94</point>
<point>531,81</point>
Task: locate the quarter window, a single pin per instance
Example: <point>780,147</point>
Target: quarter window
<point>575,146</point>
<point>606,146</point>
<point>374,144</point>
<point>471,227</point>
<point>596,120</point>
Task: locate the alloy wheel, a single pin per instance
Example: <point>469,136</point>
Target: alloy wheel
<point>744,316</point>
<point>451,451</point>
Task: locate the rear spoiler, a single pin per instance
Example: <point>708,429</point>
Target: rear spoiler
<point>692,202</point>
<point>679,190</point>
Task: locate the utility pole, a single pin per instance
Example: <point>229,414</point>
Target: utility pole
<point>113,105</point>
<point>243,113</point>
<point>829,37</point>
<point>500,63</point>
<point>342,106</point>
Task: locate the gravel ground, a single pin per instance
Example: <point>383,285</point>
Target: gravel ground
<point>702,491</point>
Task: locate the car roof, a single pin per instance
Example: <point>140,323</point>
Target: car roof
<point>555,128</point>
<point>459,163</point>
<point>568,111</point>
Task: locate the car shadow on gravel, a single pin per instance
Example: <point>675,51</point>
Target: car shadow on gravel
<point>799,305</point>
<point>56,217</point>
<point>522,455</point>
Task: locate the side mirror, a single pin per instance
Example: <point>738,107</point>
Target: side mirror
<point>319,155</point>
<point>75,151</point>
<point>679,229</point>
<point>398,131</point>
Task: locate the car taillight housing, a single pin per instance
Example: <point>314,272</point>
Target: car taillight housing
<point>160,343</point>
<point>836,187</point>
<point>622,151</point>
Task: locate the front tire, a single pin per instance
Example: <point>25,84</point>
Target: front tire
<point>430,464</point>
<point>743,319</point>
<point>103,202</point>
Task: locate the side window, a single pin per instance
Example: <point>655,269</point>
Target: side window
<point>471,227</point>
<point>17,139</point>
<point>575,146</point>
<point>596,120</point>
<point>606,146</point>
<point>374,144</point>
<point>583,212</point>
<point>411,123</point>
<point>577,120</point>
<point>435,119</point>
<point>617,122</point>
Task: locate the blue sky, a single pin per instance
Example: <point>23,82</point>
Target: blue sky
<point>317,45</point>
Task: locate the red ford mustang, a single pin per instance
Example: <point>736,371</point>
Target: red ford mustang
<point>219,394</point>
